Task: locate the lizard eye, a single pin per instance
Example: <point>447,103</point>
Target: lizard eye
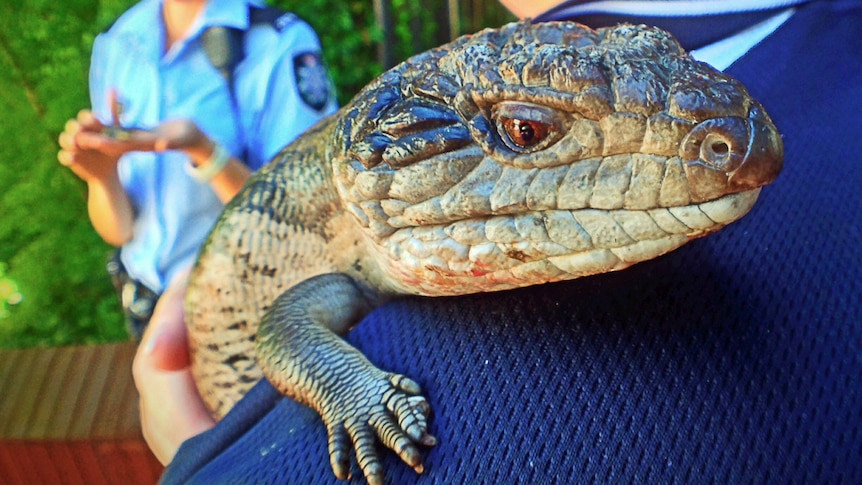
<point>526,128</point>
<point>525,133</point>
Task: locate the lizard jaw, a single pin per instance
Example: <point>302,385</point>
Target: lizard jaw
<point>510,251</point>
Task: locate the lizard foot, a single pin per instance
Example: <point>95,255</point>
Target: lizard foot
<point>389,408</point>
<point>302,356</point>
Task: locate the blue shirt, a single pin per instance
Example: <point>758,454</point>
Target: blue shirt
<point>734,359</point>
<point>173,212</point>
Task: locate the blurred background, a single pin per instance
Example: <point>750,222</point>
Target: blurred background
<point>53,286</point>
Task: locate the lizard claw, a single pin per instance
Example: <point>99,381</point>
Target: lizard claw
<point>411,409</point>
<point>390,411</point>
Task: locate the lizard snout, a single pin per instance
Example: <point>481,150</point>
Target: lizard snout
<point>765,155</point>
<point>728,155</point>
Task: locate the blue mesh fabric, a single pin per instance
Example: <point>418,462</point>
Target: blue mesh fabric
<point>735,359</point>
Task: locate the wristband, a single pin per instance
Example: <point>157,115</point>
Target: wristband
<point>209,169</point>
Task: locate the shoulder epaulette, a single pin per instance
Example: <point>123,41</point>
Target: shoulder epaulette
<point>276,17</point>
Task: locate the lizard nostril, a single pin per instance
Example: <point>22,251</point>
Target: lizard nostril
<point>717,151</point>
<point>719,148</point>
<point>718,144</point>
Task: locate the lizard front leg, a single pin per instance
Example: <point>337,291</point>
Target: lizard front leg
<point>302,355</point>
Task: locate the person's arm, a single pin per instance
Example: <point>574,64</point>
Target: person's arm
<point>185,135</point>
<point>110,210</point>
<point>171,408</point>
<point>109,207</point>
<point>106,192</point>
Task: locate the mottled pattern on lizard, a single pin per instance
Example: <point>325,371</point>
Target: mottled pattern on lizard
<point>513,157</point>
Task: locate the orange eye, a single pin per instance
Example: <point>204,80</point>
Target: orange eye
<point>526,127</point>
<point>525,133</point>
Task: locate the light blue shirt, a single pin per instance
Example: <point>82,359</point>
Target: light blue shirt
<point>724,53</point>
<point>720,54</point>
<point>173,212</point>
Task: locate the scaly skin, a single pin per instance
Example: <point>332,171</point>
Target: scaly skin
<point>514,157</point>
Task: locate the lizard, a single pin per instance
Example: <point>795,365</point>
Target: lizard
<point>523,155</point>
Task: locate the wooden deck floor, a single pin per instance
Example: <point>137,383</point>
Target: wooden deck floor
<point>70,415</point>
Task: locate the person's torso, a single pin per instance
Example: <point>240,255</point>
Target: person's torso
<point>173,211</point>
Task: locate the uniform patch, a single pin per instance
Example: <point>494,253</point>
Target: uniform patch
<point>283,21</point>
<point>312,79</point>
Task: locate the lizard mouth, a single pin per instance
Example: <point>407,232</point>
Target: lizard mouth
<point>515,250</point>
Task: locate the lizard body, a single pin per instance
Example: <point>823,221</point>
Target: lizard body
<point>518,156</point>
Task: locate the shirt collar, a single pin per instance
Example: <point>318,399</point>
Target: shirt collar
<point>139,34</point>
<point>724,53</point>
<point>662,8</point>
<point>217,13</point>
<point>225,13</point>
<point>695,23</point>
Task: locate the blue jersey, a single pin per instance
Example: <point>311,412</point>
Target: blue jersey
<point>280,87</point>
<point>734,359</point>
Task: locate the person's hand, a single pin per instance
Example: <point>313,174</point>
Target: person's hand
<point>184,135</point>
<point>85,135</point>
<point>91,149</point>
<point>81,154</point>
<point>171,408</point>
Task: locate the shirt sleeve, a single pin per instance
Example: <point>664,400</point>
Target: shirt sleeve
<point>98,78</point>
<point>300,92</point>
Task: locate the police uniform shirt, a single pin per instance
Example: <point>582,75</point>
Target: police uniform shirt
<point>281,89</point>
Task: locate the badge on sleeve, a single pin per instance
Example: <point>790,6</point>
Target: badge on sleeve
<point>312,80</point>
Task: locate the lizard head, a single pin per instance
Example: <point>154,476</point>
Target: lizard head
<point>538,153</point>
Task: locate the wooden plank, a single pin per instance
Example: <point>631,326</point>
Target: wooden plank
<point>70,415</point>
<point>7,368</point>
<point>66,463</point>
<point>114,402</point>
<point>128,461</point>
<point>71,392</point>
<point>42,419</point>
<point>128,424</point>
<point>91,465</point>
<point>16,381</point>
<point>12,472</point>
<point>41,468</point>
<point>95,388</point>
<point>26,399</point>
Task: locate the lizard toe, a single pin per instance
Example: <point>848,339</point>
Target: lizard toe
<point>411,412</point>
<point>339,451</point>
<point>405,384</point>
<point>420,405</point>
<point>363,436</point>
<point>393,437</point>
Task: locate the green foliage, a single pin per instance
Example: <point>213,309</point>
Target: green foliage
<point>9,294</point>
<point>53,285</point>
<point>51,256</point>
<point>350,35</point>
